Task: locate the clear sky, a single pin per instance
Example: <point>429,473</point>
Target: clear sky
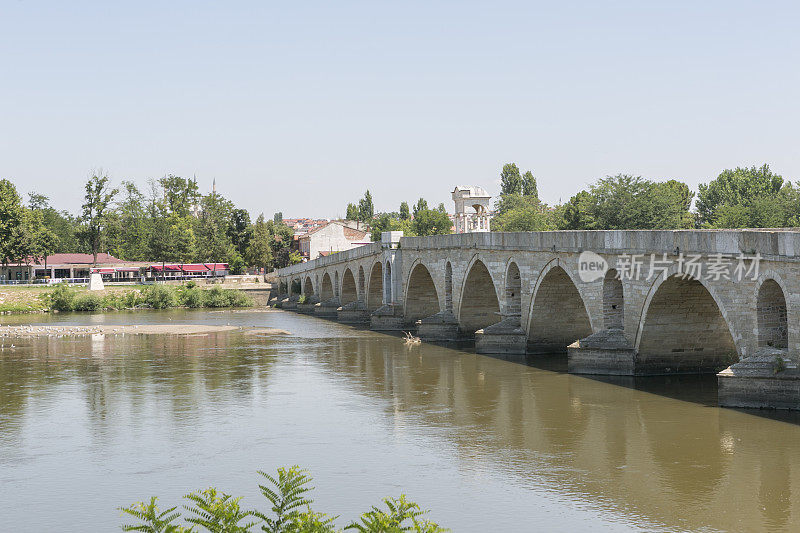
<point>301,106</point>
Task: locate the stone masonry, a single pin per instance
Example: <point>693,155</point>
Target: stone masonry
<point>525,292</point>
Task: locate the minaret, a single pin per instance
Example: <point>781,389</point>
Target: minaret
<point>214,187</point>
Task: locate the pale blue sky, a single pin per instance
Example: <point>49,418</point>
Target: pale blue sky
<point>301,106</point>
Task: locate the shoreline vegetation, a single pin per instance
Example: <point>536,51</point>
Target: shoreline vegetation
<point>289,507</point>
<point>67,298</point>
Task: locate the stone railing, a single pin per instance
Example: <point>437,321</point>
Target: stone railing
<point>770,243</point>
<point>333,259</point>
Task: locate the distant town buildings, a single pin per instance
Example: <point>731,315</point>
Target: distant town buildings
<point>472,213</point>
<point>334,236</point>
<point>301,226</point>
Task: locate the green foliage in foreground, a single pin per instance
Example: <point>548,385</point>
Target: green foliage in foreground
<point>289,512</point>
<point>67,298</point>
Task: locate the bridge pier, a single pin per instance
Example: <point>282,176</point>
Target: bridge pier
<point>387,318</point>
<point>607,352</point>
<point>291,302</point>
<point>442,326</point>
<point>328,308</point>
<point>768,379</point>
<point>504,337</point>
<point>353,313</point>
<point>307,307</point>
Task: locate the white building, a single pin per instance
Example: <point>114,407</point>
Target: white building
<point>472,209</point>
<point>335,236</point>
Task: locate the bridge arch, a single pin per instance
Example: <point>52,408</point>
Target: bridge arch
<point>613,301</point>
<point>349,290</point>
<point>375,291</point>
<point>422,298</point>
<point>683,328</point>
<point>772,315</point>
<point>558,315</point>
<point>295,287</point>
<point>479,306</point>
<point>326,291</point>
<point>308,287</point>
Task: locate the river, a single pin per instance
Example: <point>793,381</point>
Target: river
<point>88,424</point>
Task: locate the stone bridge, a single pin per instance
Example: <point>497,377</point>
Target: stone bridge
<point>614,302</point>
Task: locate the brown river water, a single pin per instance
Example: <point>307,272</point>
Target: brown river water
<point>88,424</point>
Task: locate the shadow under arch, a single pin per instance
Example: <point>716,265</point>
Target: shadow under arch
<point>771,316</point>
<point>375,291</point>
<point>326,291</point>
<point>308,287</point>
<point>513,290</point>
<point>558,314</point>
<point>683,329</point>
<point>479,305</point>
<point>422,298</point>
<point>349,289</point>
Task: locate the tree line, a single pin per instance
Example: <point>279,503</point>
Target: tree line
<point>170,222</point>
<point>753,197</point>
<point>419,220</point>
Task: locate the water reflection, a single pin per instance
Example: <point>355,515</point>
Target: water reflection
<point>654,455</point>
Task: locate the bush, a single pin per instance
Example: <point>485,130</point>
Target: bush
<point>219,297</point>
<point>160,296</point>
<point>87,301</point>
<point>240,299</point>
<point>290,511</point>
<point>191,284</point>
<point>62,297</point>
<point>193,298</point>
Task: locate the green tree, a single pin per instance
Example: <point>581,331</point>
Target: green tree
<point>352,212</point>
<point>728,200</point>
<point>96,209</point>
<point>180,195</point>
<point>282,253</point>
<point>527,216</point>
<point>61,223</point>
<point>278,217</point>
<point>577,213</point>
<point>405,213</point>
<point>135,226</point>
<point>38,241</point>
<point>365,208</point>
<point>431,222</point>
<point>389,222</point>
<point>259,253</point>
<point>240,230</point>
<point>628,202</point>
<point>213,243</point>
<point>529,187</point>
<point>11,223</point>
<point>510,179</point>
<point>421,205</point>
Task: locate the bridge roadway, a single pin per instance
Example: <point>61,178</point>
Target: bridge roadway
<point>627,302</point>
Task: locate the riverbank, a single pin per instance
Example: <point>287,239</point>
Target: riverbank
<point>42,299</point>
<point>144,329</point>
<point>15,299</point>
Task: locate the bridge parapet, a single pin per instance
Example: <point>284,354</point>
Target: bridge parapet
<point>333,259</point>
<point>770,243</point>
